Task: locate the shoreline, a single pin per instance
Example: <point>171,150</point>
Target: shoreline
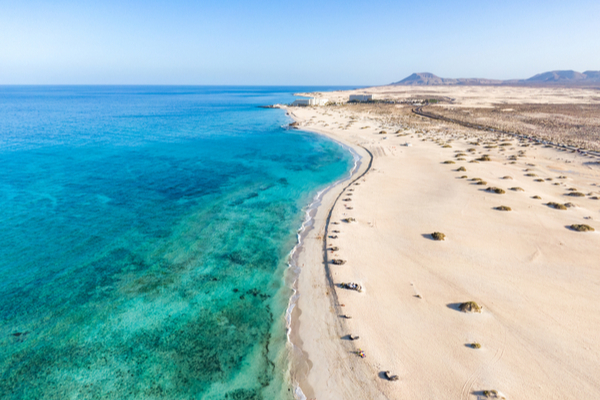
<point>304,252</point>
<point>293,311</point>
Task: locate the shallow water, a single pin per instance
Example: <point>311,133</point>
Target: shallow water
<point>145,235</point>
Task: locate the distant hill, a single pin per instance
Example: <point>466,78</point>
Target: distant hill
<point>593,76</point>
<point>558,76</point>
<point>551,77</point>
<point>427,78</point>
<point>421,78</point>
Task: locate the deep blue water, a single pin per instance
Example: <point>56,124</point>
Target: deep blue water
<point>144,240</point>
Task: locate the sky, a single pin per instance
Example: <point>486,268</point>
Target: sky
<point>308,42</point>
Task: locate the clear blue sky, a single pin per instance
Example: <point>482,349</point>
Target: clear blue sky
<point>308,42</point>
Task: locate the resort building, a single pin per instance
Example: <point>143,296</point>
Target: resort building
<point>310,102</point>
<point>359,98</point>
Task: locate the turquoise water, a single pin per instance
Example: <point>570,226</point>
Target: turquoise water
<point>145,237</point>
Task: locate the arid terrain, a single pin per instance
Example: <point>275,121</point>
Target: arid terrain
<point>463,261</point>
<point>563,115</point>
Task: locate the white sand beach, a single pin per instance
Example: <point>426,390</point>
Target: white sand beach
<point>536,279</point>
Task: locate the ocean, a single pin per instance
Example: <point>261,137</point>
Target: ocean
<point>145,239</point>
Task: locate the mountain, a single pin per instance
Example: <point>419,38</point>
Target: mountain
<point>557,76</point>
<point>421,78</point>
<point>592,76</point>
<point>427,79</point>
<point>545,78</point>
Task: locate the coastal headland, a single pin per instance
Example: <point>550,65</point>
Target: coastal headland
<point>507,304</point>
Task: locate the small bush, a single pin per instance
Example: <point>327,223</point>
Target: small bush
<point>576,194</point>
<point>481,183</point>
<point>461,169</point>
<point>502,208</point>
<point>556,206</point>
<point>474,162</point>
<point>507,177</point>
<point>582,228</point>
<point>495,190</point>
<point>470,306</point>
<point>493,394</point>
<point>484,157</point>
<point>517,189</point>
<point>438,236</point>
<point>531,174</point>
<point>449,162</point>
<point>464,177</point>
<point>475,345</point>
<point>536,197</point>
<point>446,146</point>
<point>538,180</point>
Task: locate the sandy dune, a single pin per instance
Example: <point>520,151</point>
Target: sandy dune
<point>537,280</point>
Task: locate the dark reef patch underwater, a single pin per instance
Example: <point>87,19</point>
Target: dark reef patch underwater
<point>144,241</point>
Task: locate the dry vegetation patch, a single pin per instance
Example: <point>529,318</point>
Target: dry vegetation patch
<point>470,306</point>
<point>438,236</point>
<point>581,228</point>
<point>556,206</point>
<point>571,124</point>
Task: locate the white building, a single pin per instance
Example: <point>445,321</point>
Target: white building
<point>361,97</point>
<point>310,102</point>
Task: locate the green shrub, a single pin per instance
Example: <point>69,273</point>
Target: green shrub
<point>556,206</point>
<point>582,228</point>
<point>495,190</point>
<point>438,236</point>
<point>470,306</point>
